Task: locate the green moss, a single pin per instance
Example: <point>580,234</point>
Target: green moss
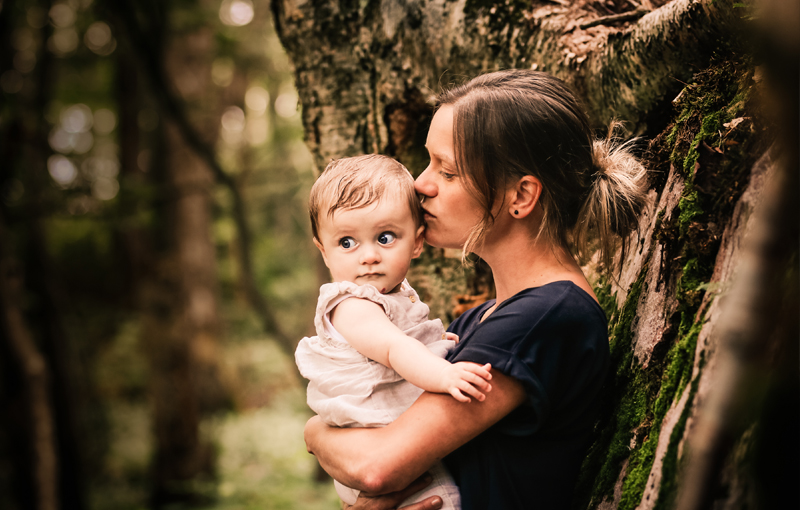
<point>714,161</point>
<point>607,300</point>
<point>677,373</point>
<point>690,207</point>
<point>628,391</point>
<point>670,463</point>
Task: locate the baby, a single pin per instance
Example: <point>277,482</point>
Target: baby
<point>375,354</point>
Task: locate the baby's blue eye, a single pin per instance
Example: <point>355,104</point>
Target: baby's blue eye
<point>347,242</point>
<point>386,238</point>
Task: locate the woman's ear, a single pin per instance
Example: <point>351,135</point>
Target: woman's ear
<point>524,196</point>
<point>418,242</point>
<point>321,250</point>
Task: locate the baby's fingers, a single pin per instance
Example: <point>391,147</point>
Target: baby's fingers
<point>480,370</point>
<point>471,390</point>
<point>477,377</point>
<point>459,396</point>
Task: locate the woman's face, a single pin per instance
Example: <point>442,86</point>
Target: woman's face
<point>450,211</point>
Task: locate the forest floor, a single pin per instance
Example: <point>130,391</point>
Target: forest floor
<point>261,459</point>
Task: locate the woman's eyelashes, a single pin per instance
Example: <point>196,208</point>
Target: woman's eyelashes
<point>386,238</point>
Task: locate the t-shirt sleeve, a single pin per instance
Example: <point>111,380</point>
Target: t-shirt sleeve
<point>544,342</point>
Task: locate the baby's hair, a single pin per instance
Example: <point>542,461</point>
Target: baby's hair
<point>351,183</point>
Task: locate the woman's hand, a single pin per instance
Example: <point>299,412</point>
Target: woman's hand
<point>391,500</point>
<point>386,459</point>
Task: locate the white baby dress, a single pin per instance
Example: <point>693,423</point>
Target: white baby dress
<point>347,389</point>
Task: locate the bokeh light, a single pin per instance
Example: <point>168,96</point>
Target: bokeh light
<point>83,143</point>
<point>222,71</point>
<point>96,167</point>
<point>61,141</point>
<point>233,123</point>
<point>63,41</point>
<point>286,104</point>
<point>24,61</point>
<point>104,188</point>
<point>236,13</point>
<point>99,39</point>
<point>62,15</point>
<point>257,130</point>
<point>257,100</point>
<point>23,39</point>
<point>62,170</point>
<point>143,160</point>
<point>77,118</point>
<point>104,121</point>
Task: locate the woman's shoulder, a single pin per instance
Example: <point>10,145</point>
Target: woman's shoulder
<point>562,297</point>
<point>559,298</point>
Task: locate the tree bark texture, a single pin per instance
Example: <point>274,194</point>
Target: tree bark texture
<point>680,76</point>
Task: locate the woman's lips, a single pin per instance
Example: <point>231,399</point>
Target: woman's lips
<point>427,214</point>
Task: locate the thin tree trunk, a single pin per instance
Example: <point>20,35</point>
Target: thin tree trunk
<point>36,381</point>
<point>183,324</point>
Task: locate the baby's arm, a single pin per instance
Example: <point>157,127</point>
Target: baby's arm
<point>367,329</point>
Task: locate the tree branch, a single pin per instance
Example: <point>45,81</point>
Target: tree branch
<point>615,18</point>
<point>169,103</point>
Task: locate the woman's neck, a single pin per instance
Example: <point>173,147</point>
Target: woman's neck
<point>519,264</point>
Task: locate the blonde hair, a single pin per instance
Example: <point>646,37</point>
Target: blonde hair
<point>513,123</point>
<point>351,183</point>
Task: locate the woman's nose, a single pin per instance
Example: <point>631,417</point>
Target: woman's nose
<point>425,184</point>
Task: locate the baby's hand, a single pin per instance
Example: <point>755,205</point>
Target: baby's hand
<point>465,379</point>
<point>451,336</point>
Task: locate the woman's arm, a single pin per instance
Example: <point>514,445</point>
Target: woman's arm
<point>380,460</point>
<point>367,329</point>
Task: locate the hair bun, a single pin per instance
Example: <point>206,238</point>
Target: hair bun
<point>617,194</point>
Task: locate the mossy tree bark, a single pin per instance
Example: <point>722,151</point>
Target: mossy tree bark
<point>680,76</point>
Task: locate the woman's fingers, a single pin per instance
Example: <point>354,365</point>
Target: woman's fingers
<point>391,500</point>
<point>431,503</point>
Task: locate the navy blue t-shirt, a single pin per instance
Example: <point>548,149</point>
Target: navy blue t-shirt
<point>554,340</point>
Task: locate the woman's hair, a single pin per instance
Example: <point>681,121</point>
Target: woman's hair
<point>513,123</point>
<point>351,183</point>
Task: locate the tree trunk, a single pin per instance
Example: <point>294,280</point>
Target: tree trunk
<point>678,75</point>
<point>180,302</point>
<point>30,410</point>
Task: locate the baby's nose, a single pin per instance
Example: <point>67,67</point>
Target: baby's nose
<point>370,256</point>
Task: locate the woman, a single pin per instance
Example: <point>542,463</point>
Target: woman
<point>515,178</point>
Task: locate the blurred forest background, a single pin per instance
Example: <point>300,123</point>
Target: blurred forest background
<point>152,228</point>
<point>156,266</point>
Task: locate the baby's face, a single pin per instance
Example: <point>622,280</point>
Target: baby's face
<point>372,244</point>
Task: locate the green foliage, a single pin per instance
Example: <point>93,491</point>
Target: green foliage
<point>103,228</point>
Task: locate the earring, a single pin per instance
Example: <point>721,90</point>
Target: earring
<point>516,212</point>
